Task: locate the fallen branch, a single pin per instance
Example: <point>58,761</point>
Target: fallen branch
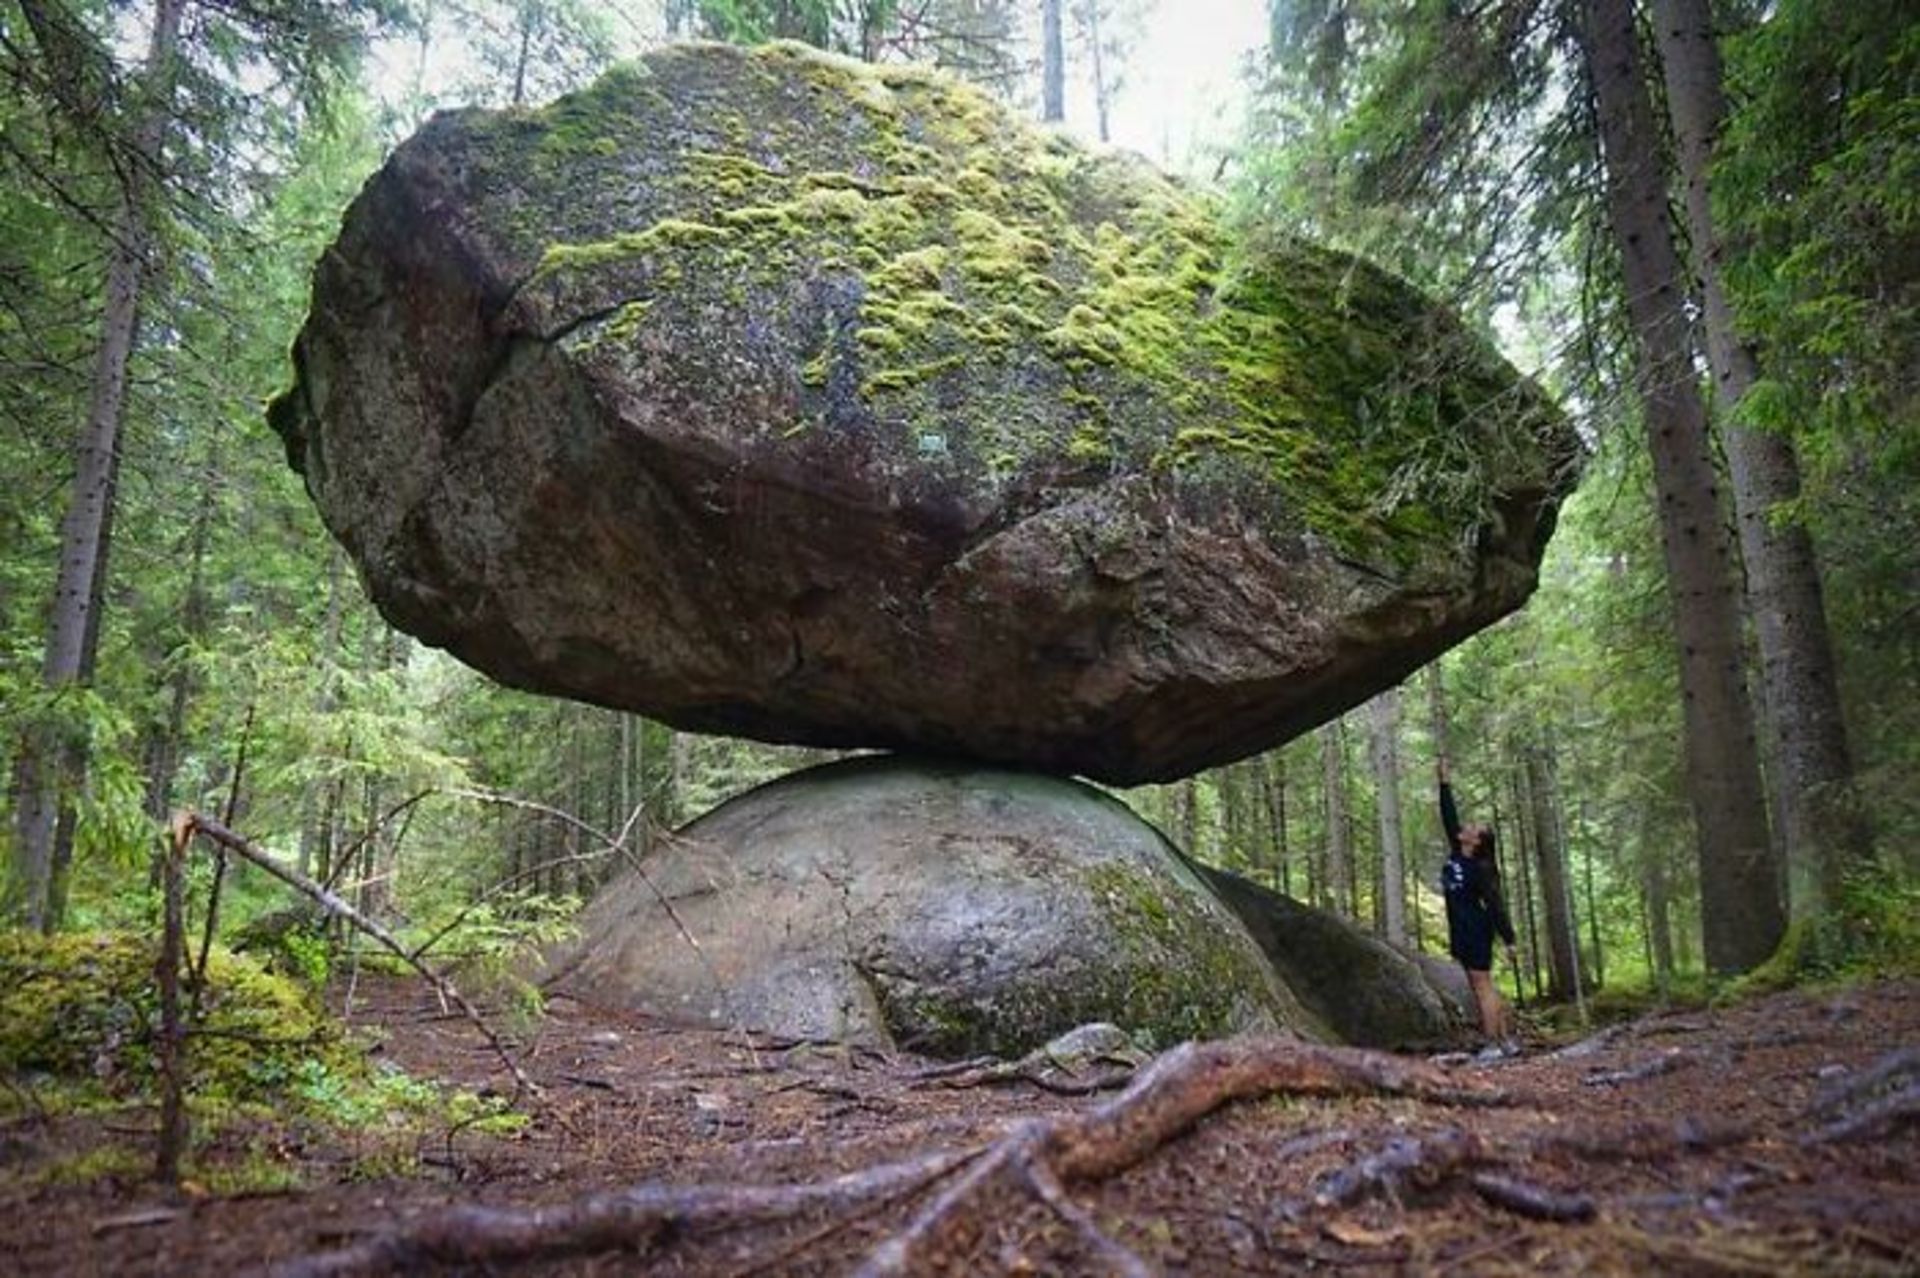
<point>187,824</point>
<point>614,845</point>
<point>1405,1162</point>
<point>1535,1202</point>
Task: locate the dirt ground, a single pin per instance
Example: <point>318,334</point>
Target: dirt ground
<point>1773,1137</point>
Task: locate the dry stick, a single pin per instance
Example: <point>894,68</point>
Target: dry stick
<point>345,856</point>
<point>173,1110</point>
<point>1403,1160</point>
<point>219,873</point>
<point>333,904</point>
<point>627,1219</point>
<point>617,846</point>
<point>420,950</point>
<point>1535,1202</point>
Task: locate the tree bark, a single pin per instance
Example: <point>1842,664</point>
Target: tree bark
<point>1102,91</point>
<point>51,767</point>
<point>1384,739</point>
<point>1338,883</point>
<point>1189,790</point>
<point>1825,828</point>
<point>1276,775</point>
<point>1053,64</point>
<point>1599,964</point>
<point>1526,919</point>
<point>1563,973</point>
<point>1741,918</point>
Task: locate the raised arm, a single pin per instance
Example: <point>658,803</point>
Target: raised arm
<point>1449,814</point>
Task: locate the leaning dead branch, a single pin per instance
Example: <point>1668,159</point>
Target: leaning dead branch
<point>192,824</point>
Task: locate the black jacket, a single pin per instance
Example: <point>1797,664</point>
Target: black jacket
<point>1475,909</point>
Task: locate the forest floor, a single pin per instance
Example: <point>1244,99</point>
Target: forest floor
<point>1776,1136</point>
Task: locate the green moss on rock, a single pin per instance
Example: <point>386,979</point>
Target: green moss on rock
<point>81,1009</point>
<point>989,262</point>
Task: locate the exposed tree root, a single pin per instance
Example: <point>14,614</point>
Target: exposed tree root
<point>1894,1110</point>
<point>630,1219</point>
<point>1038,1157</point>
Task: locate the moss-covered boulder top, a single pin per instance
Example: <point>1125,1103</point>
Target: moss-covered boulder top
<point>770,394</point>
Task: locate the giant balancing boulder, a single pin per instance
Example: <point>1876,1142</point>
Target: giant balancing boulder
<point>772,395</point>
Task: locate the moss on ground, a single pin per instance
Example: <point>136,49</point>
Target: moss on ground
<point>79,1013</point>
<point>1043,307</point>
<point>82,1008</point>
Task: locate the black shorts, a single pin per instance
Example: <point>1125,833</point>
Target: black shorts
<point>1473,951</point>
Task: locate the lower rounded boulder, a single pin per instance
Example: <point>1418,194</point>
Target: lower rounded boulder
<point>943,908</point>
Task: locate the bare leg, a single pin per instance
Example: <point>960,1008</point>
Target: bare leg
<point>1493,1011</point>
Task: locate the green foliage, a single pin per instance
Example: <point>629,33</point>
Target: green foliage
<point>79,1013</point>
<point>81,1010</point>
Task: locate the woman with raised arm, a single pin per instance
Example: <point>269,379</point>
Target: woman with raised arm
<point>1470,881</point>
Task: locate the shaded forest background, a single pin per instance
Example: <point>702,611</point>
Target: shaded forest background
<point>171,169</point>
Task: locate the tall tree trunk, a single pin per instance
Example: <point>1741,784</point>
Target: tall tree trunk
<point>1189,790</point>
<point>1338,883</point>
<point>1826,829</point>
<point>1519,859</point>
<point>1276,774</point>
<point>1653,878</point>
<point>1598,966</point>
<point>1384,739</point>
<point>1563,970</point>
<point>679,777</point>
<point>1232,852</point>
<point>1053,63</point>
<point>315,830</point>
<point>1741,918</point>
<point>529,15</point>
<point>163,754</point>
<point>51,767</point>
<point>1102,91</point>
